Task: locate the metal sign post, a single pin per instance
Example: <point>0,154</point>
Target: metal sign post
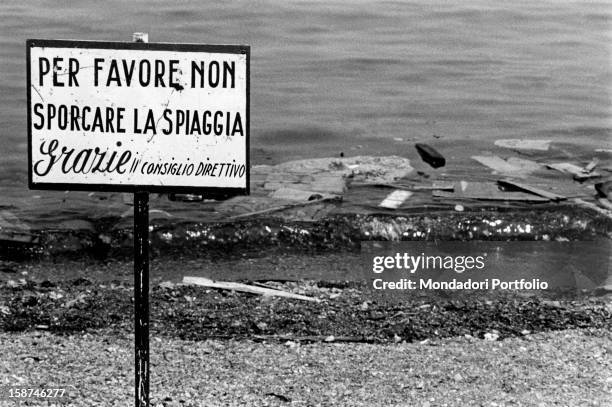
<point>141,288</point>
<point>141,298</point>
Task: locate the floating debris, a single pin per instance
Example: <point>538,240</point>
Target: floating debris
<point>430,155</point>
<point>360,168</point>
<point>395,199</point>
<point>437,185</point>
<point>488,191</point>
<point>522,144</point>
<point>531,189</point>
<point>293,194</point>
<point>513,166</point>
<point>579,173</point>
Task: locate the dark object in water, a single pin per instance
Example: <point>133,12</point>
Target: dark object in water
<point>430,156</point>
<point>604,189</point>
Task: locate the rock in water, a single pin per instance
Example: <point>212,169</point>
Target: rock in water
<point>430,155</point>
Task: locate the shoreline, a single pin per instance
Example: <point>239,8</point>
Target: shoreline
<point>112,237</point>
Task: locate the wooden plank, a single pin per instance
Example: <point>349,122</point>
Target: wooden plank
<point>437,185</point>
<point>531,189</point>
<point>513,166</point>
<point>487,191</point>
<point>227,285</point>
<point>395,199</point>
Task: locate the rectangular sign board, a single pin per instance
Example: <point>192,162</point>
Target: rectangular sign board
<point>114,116</point>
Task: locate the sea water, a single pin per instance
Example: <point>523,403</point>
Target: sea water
<point>352,77</point>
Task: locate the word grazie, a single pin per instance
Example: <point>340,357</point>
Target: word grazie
<point>135,116</point>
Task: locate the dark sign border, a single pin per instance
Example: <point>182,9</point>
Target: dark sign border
<point>208,192</point>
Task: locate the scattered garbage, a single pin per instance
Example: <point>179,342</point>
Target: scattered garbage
<point>523,144</point>
<point>293,194</point>
<point>488,191</point>
<point>360,168</point>
<point>430,155</point>
<point>512,166</point>
<point>579,173</point>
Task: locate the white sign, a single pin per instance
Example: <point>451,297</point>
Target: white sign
<point>136,116</point>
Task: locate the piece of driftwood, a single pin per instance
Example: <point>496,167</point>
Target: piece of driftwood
<point>530,189</point>
<point>228,285</point>
<point>430,155</point>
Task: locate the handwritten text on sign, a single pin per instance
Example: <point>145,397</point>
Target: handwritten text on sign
<point>138,114</point>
